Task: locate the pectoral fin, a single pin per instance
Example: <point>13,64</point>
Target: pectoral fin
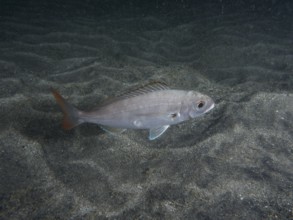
<point>157,132</point>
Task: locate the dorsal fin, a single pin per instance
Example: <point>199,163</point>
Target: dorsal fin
<point>143,89</point>
<point>136,91</point>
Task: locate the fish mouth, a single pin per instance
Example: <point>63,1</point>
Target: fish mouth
<point>210,108</point>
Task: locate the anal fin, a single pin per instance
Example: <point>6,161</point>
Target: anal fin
<point>112,130</point>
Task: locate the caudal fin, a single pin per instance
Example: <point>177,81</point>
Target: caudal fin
<point>71,114</point>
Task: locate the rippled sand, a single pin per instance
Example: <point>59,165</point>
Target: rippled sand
<point>236,162</point>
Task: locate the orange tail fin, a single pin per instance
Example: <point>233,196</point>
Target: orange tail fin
<point>71,114</point>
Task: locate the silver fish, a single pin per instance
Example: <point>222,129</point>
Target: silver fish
<point>154,106</point>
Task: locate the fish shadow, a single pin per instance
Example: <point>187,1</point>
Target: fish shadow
<point>43,129</point>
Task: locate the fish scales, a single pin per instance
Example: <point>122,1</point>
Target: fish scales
<point>154,107</point>
<point>147,108</point>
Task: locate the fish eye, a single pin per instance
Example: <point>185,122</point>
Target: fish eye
<point>200,104</point>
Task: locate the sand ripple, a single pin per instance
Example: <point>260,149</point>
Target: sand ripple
<point>235,161</point>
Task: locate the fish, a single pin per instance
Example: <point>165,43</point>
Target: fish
<point>154,106</point>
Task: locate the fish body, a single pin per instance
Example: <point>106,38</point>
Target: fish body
<point>154,107</point>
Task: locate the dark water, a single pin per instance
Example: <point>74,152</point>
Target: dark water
<point>236,162</point>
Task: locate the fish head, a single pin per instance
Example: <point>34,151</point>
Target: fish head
<point>199,104</point>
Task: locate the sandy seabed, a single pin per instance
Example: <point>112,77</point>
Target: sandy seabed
<point>236,162</point>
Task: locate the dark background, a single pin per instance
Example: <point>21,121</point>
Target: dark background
<point>110,7</point>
